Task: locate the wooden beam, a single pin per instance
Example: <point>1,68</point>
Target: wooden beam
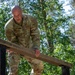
<point>30,52</point>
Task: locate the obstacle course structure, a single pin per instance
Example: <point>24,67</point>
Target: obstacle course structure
<point>26,51</point>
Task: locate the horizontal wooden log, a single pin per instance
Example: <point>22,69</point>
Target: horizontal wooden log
<point>30,52</point>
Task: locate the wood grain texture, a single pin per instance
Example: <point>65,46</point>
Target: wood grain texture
<point>29,52</point>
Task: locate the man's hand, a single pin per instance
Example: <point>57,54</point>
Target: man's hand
<point>37,52</point>
<point>9,51</point>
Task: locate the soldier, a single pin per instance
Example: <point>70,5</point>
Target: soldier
<point>22,30</point>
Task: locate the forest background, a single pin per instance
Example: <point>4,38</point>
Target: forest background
<point>54,23</point>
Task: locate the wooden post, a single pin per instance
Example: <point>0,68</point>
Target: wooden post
<point>2,60</point>
<point>65,70</point>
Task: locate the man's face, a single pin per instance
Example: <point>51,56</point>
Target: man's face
<point>17,15</point>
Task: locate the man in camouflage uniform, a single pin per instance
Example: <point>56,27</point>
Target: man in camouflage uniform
<point>22,29</point>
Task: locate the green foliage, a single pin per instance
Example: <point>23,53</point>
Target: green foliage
<point>24,67</point>
<point>4,16</point>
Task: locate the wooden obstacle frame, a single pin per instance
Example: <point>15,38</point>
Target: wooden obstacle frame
<point>29,52</point>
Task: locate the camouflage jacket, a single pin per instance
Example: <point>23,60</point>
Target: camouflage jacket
<point>26,34</point>
<point>72,34</point>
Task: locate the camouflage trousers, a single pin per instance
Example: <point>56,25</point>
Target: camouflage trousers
<point>14,59</point>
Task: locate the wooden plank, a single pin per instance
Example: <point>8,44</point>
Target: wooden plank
<point>30,52</point>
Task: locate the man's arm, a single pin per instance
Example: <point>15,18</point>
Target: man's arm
<point>35,35</point>
<point>9,32</point>
<point>72,34</point>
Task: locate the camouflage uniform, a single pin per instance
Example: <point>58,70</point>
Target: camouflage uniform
<point>22,34</point>
<point>72,35</point>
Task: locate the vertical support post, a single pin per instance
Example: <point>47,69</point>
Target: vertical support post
<point>65,70</point>
<point>2,60</point>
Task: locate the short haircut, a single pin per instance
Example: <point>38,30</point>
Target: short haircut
<point>16,7</point>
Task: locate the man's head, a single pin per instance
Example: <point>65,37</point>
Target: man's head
<point>17,14</point>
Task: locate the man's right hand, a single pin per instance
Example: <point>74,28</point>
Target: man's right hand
<point>9,51</point>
